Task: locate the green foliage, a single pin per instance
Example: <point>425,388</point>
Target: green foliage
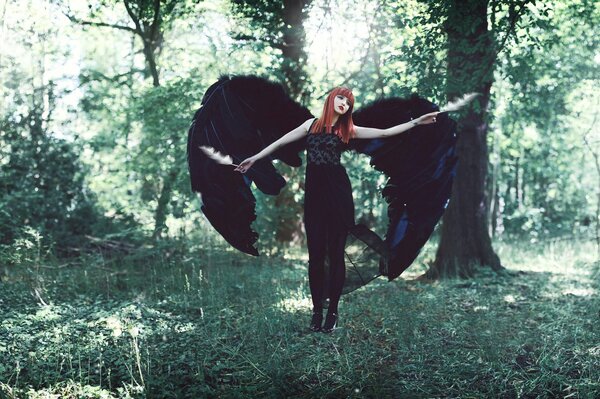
<point>42,185</point>
<point>278,25</point>
<point>45,203</point>
<point>367,184</point>
<point>275,218</point>
<point>164,115</point>
<point>543,165</point>
<point>266,17</point>
<point>95,103</point>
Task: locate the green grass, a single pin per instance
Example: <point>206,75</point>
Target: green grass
<point>183,322</point>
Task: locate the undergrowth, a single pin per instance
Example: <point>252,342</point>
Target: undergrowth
<point>182,322</point>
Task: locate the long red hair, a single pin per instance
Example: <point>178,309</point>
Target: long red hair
<point>344,124</point>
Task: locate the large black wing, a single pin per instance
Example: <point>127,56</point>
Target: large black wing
<point>239,117</point>
<point>420,166</point>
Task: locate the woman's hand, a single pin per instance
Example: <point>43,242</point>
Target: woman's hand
<point>245,164</point>
<point>427,118</point>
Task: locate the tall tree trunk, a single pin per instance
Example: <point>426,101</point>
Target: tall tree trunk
<point>596,157</point>
<point>152,37</point>
<point>284,22</point>
<point>496,215</point>
<point>292,48</point>
<point>465,242</point>
<point>292,68</point>
<point>516,182</point>
<point>151,63</point>
<point>147,16</point>
<point>493,186</point>
<point>150,31</point>
<point>160,214</point>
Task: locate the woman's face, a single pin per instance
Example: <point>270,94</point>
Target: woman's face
<point>341,104</point>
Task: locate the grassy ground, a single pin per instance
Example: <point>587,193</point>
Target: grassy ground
<point>220,324</point>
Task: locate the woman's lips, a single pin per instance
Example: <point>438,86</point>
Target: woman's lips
<point>341,108</point>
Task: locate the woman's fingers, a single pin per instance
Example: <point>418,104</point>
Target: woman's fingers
<point>244,166</point>
<point>431,117</point>
<point>426,119</point>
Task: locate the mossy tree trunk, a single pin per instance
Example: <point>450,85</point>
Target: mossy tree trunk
<point>293,61</point>
<point>465,240</point>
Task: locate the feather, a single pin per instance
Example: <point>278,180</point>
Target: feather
<point>459,103</point>
<point>217,156</point>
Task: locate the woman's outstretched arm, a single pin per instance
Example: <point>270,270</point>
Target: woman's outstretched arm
<point>287,138</point>
<point>374,133</point>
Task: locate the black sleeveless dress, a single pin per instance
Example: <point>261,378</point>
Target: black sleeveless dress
<point>328,193</point>
<point>328,201</point>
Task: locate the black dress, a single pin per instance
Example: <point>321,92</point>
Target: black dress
<point>328,193</point>
<point>328,216</point>
<point>329,211</point>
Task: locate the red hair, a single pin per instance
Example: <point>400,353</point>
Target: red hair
<point>345,125</point>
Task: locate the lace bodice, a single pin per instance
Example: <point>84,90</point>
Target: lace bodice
<point>323,148</point>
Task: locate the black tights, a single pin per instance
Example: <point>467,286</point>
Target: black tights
<point>326,240</point>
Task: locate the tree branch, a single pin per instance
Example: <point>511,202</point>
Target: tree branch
<point>101,24</point>
<point>511,27</point>
<point>135,19</point>
<point>97,76</point>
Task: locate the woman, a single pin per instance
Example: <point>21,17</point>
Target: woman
<point>328,204</point>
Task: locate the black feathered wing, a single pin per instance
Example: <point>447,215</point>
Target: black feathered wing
<point>242,115</point>
<point>419,165</point>
<point>239,117</point>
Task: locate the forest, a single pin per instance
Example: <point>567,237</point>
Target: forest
<point>114,284</point>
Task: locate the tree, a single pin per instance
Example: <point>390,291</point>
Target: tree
<point>41,177</point>
<point>150,19</point>
<point>279,25</point>
<point>471,56</point>
<point>540,186</point>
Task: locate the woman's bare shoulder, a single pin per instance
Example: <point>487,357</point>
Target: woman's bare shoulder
<point>308,123</point>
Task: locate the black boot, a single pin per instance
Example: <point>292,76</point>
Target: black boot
<point>316,321</point>
<point>330,323</point>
